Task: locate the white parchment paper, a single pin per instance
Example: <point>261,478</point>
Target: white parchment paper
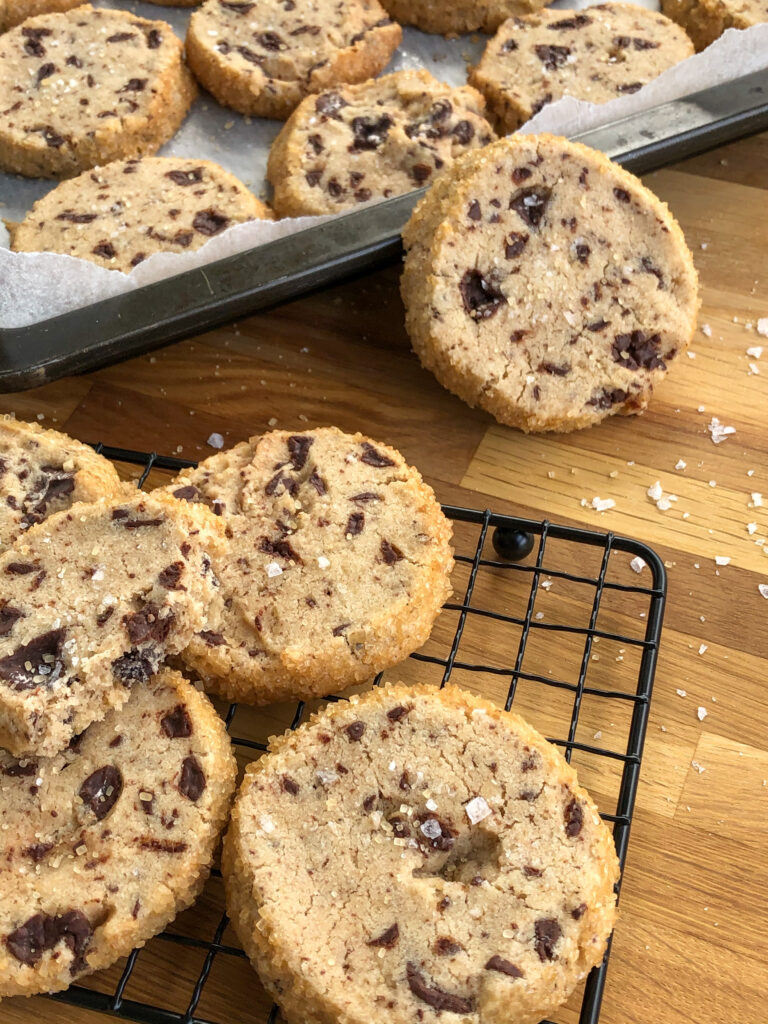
<point>36,286</point>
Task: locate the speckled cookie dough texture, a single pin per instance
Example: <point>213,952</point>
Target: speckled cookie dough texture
<point>13,12</point>
<point>452,17</point>
<point>264,57</point>
<point>103,844</point>
<point>596,55</point>
<point>371,141</point>
<point>87,87</point>
<point>338,564</point>
<point>445,865</point>
<point>120,214</point>
<point>44,471</point>
<point>547,285</point>
<point>706,20</point>
<point>93,600</point>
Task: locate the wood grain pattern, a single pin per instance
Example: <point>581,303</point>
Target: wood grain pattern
<point>691,944</point>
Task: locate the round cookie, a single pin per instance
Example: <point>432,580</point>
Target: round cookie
<point>706,20</point>
<point>445,865</point>
<point>103,844</point>
<point>86,87</point>
<point>13,12</point>
<point>452,17</point>
<point>42,472</point>
<point>595,55</point>
<point>93,600</point>
<point>120,214</point>
<point>338,564</point>
<point>546,285</point>
<point>371,141</point>
<point>264,57</point>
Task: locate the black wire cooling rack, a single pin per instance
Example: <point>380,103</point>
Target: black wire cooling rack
<point>595,609</point>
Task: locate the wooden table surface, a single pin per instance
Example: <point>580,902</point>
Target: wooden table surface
<point>691,944</point>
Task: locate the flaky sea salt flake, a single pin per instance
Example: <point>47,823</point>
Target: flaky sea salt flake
<point>637,564</point>
<point>603,504</point>
<point>215,441</point>
<point>719,431</point>
<point>477,809</point>
<point>655,491</point>
<point>722,560</point>
<point>701,713</point>
<point>273,569</point>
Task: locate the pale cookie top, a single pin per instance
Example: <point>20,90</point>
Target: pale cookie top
<point>371,141</point>
<point>93,600</point>
<point>546,284</point>
<point>338,563</point>
<point>706,20</point>
<point>451,17</point>
<point>120,214</point>
<point>444,861</point>
<point>280,50</point>
<point>67,80</point>
<point>44,471</point>
<point>596,55</point>
<point>102,844</point>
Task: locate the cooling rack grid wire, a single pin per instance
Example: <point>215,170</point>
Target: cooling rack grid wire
<point>550,668</point>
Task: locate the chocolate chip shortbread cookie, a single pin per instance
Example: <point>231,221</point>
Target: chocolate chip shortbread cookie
<point>337,567</point>
<point>371,141</point>
<point>120,214</point>
<point>103,844</point>
<point>596,55</point>
<point>451,17</point>
<point>42,472</point>
<point>93,599</point>
<point>264,58</point>
<point>546,284</point>
<point>13,12</point>
<point>445,865</point>
<point>706,20</point>
<point>86,87</point>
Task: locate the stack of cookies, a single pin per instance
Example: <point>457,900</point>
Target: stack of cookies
<point>476,875</point>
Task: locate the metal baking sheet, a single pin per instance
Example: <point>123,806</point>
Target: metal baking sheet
<point>196,300</point>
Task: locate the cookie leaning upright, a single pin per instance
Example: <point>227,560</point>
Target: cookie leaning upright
<point>120,214</point>
<point>264,57</point>
<point>444,861</point>
<point>547,285</point>
<point>452,17</point>
<point>93,600</point>
<point>103,844</point>
<point>706,20</point>
<point>596,55</point>
<point>44,471</point>
<point>371,141</point>
<point>338,564</point>
<point>86,87</point>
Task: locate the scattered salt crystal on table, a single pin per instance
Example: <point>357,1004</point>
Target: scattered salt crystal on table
<point>721,560</point>
<point>637,564</point>
<point>762,326</point>
<point>655,491</point>
<point>702,713</point>
<point>699,767</point>
<point>755,351</point>
<point>751,528</point>
<point>273,569</point>
<point>680,464</point>
<point>603,504</point>
<point>598,735</point>
<point>272,421</point>
<point>215,441</point>
<point>754,369</point>
<point>706,330</point>
<point>757,499</point>
<point>703,649</point>
<point>477,809</point>
<point>681,693</point>
<point>763,588</point>
<point>546,584</point>
<point>718,431</point>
